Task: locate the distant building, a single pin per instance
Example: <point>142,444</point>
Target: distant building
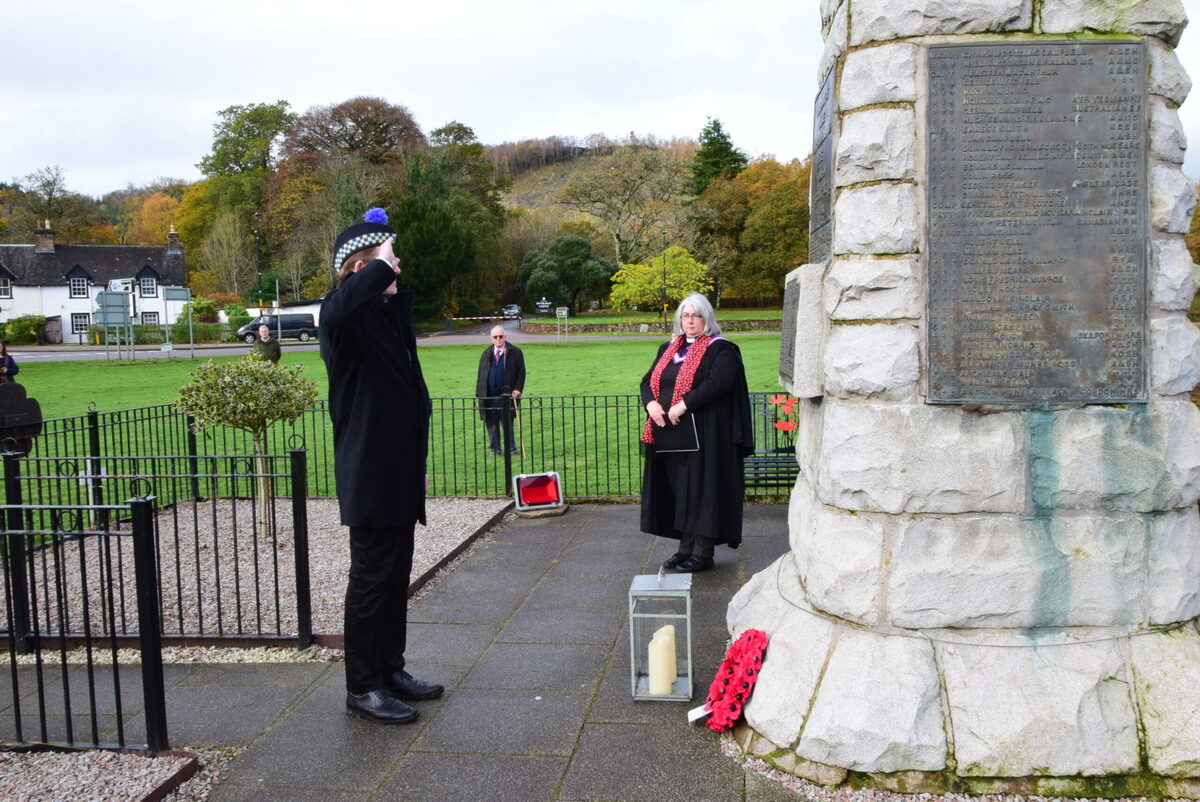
<point>60,282</point>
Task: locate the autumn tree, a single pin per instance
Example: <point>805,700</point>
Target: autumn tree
<point>43,195</point>
<point>659,282</point>
<point>150,221</point>
<point>717,157</point>
<point>369,127</point>
<point>566,270</point>
<point>629,193</point>
<point>227,254</point>
<point>245,138</point>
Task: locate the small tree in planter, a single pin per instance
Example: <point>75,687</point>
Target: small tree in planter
<point>251,395</point>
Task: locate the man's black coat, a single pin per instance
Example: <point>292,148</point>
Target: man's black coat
<point>514,376</point>
<point>377,399</point>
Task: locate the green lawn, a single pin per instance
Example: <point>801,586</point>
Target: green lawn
<point>554,369</point>
<point>608,316</point>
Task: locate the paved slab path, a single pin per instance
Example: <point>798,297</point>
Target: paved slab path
<point>529,636</point>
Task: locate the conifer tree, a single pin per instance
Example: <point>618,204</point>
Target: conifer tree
<point>716,157</point>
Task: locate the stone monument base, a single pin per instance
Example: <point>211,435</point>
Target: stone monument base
<point>1084,711</point>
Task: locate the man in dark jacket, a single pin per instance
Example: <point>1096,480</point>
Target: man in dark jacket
<point>380,409</point>
<point>500,380</point>
<point>267,348</point>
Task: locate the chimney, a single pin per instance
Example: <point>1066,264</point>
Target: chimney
<point>173,239</point>
<point>44,238</point>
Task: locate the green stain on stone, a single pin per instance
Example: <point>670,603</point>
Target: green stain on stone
<point>1053,600</point>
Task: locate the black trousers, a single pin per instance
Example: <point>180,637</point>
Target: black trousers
<point>376,614</point>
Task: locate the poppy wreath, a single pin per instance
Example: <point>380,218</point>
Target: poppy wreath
<point>734,682</point>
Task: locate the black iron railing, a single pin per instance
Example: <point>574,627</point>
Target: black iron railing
<point>592,441</point>
<point>49,697</point>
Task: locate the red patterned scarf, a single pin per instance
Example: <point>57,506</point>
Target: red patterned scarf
<point>683,382</point>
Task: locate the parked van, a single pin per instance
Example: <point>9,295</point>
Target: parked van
<point>300,327</point>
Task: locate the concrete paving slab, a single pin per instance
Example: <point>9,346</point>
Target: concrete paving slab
<point>448,643</point>
<point>470,778</point>
<point>506,722</point>
<point>581,591</point>
<point>562,625</point>
<point>532,666</point>
<point>486,607</point>
<point>223,715</point>
<point>651,762</point>
<point>228,792</point>
<point>279,675</point>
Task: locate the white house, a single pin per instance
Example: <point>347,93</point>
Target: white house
<point>60,282</point>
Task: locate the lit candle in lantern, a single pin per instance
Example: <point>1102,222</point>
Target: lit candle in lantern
<point>663,668</point>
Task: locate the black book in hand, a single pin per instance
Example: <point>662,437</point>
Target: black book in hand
<point>680,437</point>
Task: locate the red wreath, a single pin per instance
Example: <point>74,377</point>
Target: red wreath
<point>731,688</point>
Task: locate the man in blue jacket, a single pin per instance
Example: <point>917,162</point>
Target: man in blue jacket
<point>380,409</point>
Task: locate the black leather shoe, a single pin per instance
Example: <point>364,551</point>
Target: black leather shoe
<point>675,560</point>
<point>402,685</point>
<point>379,707</point>
<point>694,564</point>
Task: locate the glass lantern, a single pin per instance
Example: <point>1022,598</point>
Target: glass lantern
<point>660,637</point>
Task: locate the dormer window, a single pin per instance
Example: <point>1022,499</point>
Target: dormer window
<point>148,287</point>
<point>79,288</point>
<point>5,287</point>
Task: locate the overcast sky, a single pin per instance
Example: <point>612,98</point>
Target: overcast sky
<point>127,91</point>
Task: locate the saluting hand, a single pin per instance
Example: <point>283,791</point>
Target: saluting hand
<point>387,254</point>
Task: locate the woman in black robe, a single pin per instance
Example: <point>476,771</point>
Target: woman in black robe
<point>693,487</point>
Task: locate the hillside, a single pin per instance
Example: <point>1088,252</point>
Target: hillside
<point>536,188</point>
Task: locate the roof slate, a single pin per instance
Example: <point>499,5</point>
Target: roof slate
<point>102,262</point>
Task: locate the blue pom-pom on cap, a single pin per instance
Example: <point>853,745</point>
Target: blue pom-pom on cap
<point>376,215</point>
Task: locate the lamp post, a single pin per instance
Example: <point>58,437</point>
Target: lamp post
<point>257,263</point>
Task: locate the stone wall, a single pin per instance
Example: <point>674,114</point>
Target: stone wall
<point>980,597</point>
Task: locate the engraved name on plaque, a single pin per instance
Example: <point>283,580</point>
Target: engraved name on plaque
<point>1036,210</point>
<point>820,220</point>
<point>787,345</point>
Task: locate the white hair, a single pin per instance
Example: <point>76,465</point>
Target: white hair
<point>700,305</point>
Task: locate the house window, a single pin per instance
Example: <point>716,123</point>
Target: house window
<point>79,288</point>
<point>5,288</point>
<point>150,318</point>
<point>79,322</point>
<point>148,286</point>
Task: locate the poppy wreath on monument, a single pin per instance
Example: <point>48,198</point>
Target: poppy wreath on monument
<point>734,682</point>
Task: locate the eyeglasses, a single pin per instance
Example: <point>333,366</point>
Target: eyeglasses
<point>497,336</point>
<point>691,316</point>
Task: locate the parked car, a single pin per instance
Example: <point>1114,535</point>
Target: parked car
<point>299,327</point>
<point>512,310</point>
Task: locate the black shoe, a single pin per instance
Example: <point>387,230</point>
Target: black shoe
<point>379,707</point>
<point>495,452</point>
<point>695,564</point>
<point>402,685</point>
<point>515,453</point>
<point>675,560</point>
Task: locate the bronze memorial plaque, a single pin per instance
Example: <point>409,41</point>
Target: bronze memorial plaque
<point>1036,208</point>
<point>787,346</point>
<point>820,225</point>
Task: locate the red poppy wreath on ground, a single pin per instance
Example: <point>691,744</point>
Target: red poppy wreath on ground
<point>731,688</point>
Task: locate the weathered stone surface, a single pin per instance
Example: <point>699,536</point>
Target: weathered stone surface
<point>1172,199</point>
<point>878,360</point>
<point>1173,567</point>
<point>913,458</point>
<point>808,435</point>
<point>978,571</point>
<point>1167,76</point>
<point>874,145</point>
<point>828,9</point>
<point>884,74</point>
<point>820,773</point>
<point>883,20</point>
<point>1167,139</point>
<point>757,605</point>
<point>859,288</point>
<point>1165,19</point>
<point>1053,707</point>
<point>876,219</point>
<point>1145,458</point>
<point>1172,276</point>
<point>794,658</point>
<point>811,324</point>
<point>837,555</point>
<point>878,708</point>
<point>1174,355</point>
<point>836,40</point>
<point>1166,670</point>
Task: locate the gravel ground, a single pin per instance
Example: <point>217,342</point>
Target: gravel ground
<point>73,776</point>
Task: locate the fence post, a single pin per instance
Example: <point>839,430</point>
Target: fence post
<point>192,452</point>
<point>506,437</point>
<point>19,576</point>
<point>94,466</point>
<point>149,626</point>
<point>299,460</point>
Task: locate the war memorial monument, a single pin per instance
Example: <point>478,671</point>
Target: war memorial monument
<point>993,580</point>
